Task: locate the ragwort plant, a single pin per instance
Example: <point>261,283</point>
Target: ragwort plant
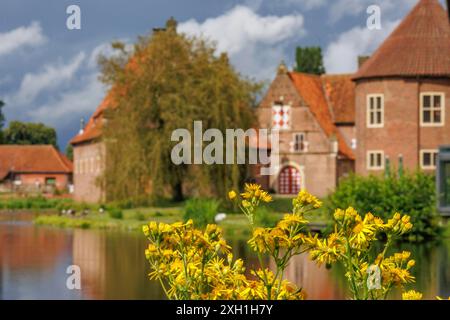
<point>194,264</point>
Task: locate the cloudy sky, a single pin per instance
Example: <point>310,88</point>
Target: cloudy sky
<point>49,73</point>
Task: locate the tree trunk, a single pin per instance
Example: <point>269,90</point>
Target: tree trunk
<point>177,192</point>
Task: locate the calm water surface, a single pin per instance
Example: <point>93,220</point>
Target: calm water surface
<point>33,263</point>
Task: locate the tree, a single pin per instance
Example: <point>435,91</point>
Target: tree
<point>168,82</point>
<point>309,60</point>
<point>69,152</point>
<point>2,120</point>
<point>29,133</point>
<point>2,116</point>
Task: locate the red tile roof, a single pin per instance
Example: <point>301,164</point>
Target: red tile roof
<point>93,128</point>
<point>340,92</point>
<point>419,46</point>
<point>32,159</point>
<point>311,89</point>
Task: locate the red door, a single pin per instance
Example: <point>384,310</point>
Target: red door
<point>289,181</point>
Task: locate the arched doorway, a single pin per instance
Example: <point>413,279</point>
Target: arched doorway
<point>289,181</point>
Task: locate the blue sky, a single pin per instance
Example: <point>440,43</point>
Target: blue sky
<point>49,73</point>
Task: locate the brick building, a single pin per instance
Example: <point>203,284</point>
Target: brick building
<point>403,94</point>
<point>89,157</point>
<point>314,116</point>
<point>35,168</point>
<point>394,108</point>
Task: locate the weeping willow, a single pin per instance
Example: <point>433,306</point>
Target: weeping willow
<point>169,81</point>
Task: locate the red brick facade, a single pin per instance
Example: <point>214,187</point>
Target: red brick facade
<point>326,155</point>
<point>34,168</point>
<point>88,166</point>
<point>402,134</point>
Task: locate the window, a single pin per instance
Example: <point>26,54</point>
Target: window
<point>50,181</point>
<point>428,159</point>
<point>432,107</point>
<point>375,111</point>
<point>375,160</point>
<point>281,117</point>
<point>299,144</point>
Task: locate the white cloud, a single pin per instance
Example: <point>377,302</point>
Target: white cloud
<point>71,105</point>
<point>341,55</point>
<point>300,4</point>
<point>105,49</point>
<point>255,43</point>
<point>50,78</point>
<point>21,37</point>
<point>60,93</point>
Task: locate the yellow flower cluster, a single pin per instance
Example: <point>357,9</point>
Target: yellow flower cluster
<point>303,200</point>
<point>254,192</point>
<point>399,225</point>
<point>350,244</point>
<point>194,264</point>
<point>286,235</point>
<point>395,269</point>
<point>411,295</point>
<point>251,197</point>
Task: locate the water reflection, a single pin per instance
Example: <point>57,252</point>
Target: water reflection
<point>33,263</point>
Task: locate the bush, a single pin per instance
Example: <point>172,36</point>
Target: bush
<point>202,211</point>
<point>412,193</point>
<point>265,218</point>
<point>115,213</point>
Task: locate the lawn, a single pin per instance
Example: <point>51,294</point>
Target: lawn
<point>132,219</point>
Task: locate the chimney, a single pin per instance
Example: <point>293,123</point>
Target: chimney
<point>81,126</point>
<point>363,59</point>
<point>282,68</point>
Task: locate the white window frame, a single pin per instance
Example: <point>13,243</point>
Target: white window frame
<point>383,160</point>
<point>305,143</point>
<point>432,124</point>
<point>431,151</point>
<point>283,106</point>
<point>368,111</point>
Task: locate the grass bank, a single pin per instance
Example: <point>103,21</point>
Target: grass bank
<point>235,225</point>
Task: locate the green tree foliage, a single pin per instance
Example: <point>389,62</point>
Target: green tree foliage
<point>309,60</point>
<point>69,152</point>
<point>2,116</point>
<point>202,211</point>
<point>411,193</point>
<point>29,133</point>
<point>2,120</point>
<point>169,81</point>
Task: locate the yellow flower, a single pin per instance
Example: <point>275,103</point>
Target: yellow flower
<point>304,198</point>
<point>146,230</point>
<point>411,295</point>
<point>232,195</point>
<point>254,191</point>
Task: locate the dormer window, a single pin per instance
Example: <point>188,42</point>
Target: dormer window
<point>281,116</point>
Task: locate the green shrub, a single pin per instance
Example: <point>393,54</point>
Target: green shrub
<point>265,218</point>
<point>411,193</point>
<point>115,213</point>
<point>139,216</point>
<point>201,211</point>
<point>281,205</point>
